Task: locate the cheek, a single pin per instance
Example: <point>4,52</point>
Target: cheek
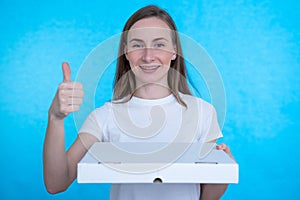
<point>166,58</point>
<point>132,59</point>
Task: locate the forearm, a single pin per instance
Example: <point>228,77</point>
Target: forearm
<point>56,174</point>
<point>212,191</point>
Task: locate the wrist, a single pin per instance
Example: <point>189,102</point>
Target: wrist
<point>54,117</point>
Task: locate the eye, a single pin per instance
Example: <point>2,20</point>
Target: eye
<point>159,45</point>
<point>136,46</point>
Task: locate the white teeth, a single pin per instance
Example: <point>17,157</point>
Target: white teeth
<point>149,67</point>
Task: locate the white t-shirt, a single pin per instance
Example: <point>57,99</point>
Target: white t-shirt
<point>160,120</point>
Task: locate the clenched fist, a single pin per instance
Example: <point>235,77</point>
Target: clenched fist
<point>68,97</point>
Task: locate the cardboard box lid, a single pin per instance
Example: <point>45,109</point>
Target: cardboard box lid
<point>148,162</point>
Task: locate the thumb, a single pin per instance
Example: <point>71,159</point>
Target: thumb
<point>66,72</point>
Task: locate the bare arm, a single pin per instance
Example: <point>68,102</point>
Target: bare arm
<point>212,191</point>
<point>215,191</point>
<point>60,166</point>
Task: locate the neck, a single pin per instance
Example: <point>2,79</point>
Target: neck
<point>152,91</point>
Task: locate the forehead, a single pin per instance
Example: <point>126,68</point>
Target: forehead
<point>150,22</point>
<point>149,28</point>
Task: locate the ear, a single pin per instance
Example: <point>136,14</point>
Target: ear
<point>174,55</point>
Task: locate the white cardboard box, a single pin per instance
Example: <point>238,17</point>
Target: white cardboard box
<point>104,163</point>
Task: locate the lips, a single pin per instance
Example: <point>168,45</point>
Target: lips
<point>149,67</point>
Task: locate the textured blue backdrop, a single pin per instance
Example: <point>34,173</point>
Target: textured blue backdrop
<point>255,45</point>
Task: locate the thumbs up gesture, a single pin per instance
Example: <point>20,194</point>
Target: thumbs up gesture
<point>68,97</point>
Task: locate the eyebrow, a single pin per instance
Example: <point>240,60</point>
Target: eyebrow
<point>140,40</point>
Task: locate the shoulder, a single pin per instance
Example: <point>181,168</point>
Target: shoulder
<point>102,110</point>
<point>202,104</point>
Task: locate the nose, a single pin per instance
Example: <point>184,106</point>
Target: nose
<point>148,55</point>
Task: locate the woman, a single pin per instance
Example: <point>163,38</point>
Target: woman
<point>150,71</point>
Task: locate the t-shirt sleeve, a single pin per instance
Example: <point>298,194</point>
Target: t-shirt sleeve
<point>91,125</point>
<point>210,129</point>
<point>213,132</point>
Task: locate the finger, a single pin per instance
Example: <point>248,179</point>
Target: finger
<point>66,109</point>
<point>66,72</point>
<point>72,108</point>
<point>74,101</point>
<point>71,93</point>
<point>69,101</point>
<point>226,149</point>
<point>71,85</point>
<point>221,146</point>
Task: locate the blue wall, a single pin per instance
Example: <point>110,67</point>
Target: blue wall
<point>255,45</point>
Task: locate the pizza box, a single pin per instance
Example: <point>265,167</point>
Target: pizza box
<point>107,162</point>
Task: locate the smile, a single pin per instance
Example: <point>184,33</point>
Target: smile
<point>150,67</point>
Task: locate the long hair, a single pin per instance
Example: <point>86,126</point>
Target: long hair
<point>124,82</point>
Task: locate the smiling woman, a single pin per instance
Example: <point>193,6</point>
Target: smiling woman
<point>150,73</point>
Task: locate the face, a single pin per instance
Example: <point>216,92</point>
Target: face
<point>150,50</point>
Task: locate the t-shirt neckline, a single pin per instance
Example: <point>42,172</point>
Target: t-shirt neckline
<point>141,101</point>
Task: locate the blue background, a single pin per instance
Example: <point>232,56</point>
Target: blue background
<point>255,45</point>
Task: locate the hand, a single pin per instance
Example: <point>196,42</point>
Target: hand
<point>226,149</point>
<point>68,97</point>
